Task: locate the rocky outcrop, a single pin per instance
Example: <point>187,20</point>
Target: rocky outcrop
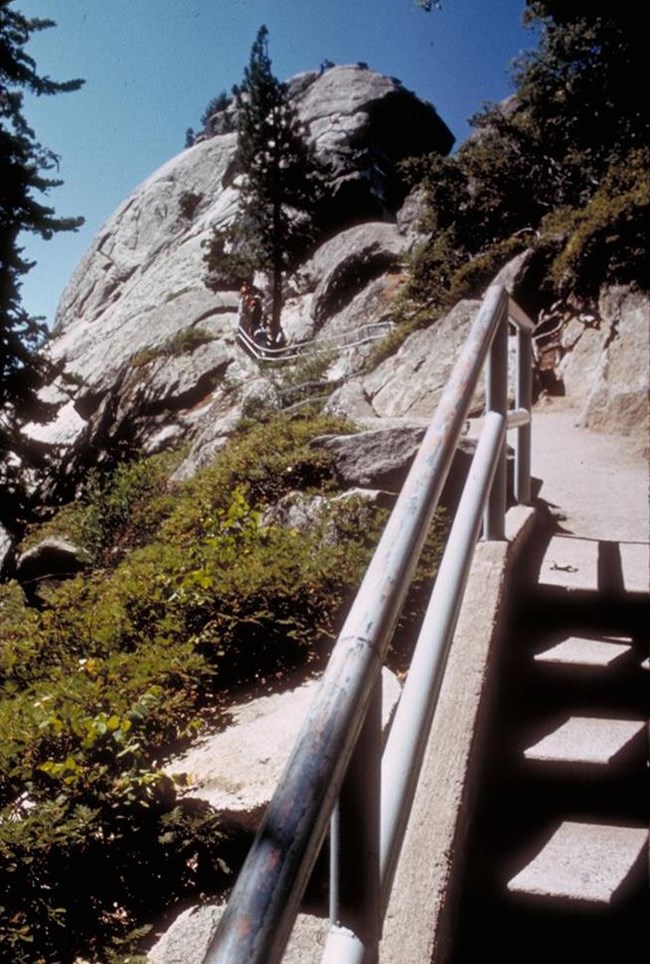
<point>141,288</point>
<point>605,366</point>
<point>364,124</point>
<point>410,382</point>
<point>188,939</point>
<point>50,561</point>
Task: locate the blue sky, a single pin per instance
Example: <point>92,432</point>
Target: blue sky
<point>151,66</point>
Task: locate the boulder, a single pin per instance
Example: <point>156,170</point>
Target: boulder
<point>364,124</point>
<point>239,768</point>
<point>381,456</point>
<point>188,938</point>
<point>50,561</point>
<point>346,263</point>
<point>141,285</point>
<point>377,458</point>
<point>605,368</point>
<point>410,382</point>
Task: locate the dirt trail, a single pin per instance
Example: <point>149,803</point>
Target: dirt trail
<point>598,482</point>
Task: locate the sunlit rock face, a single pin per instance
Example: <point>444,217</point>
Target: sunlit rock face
<point>121,326</point>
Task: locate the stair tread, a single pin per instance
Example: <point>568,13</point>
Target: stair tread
<point>580,651</point>
<point>582,862</point>
<point>589,740</point>
<point>594,565</point>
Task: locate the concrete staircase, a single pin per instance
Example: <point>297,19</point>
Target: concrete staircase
<point>557,864</point>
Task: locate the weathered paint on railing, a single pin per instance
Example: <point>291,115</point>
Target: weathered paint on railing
<point>337,754</point>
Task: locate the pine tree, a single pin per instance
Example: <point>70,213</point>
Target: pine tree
<point>24,164</point>
<point>282,180</point>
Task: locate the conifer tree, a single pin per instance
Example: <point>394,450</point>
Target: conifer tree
<point>24,164</point>
<point>282,181</point>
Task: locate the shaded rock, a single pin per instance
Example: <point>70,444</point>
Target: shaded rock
<point>6,548</point>
<point>377,458</point>
<point>364,123</point>
<point>411,381</point>
<point>180,381</point>
<point>239,768</point>
<point>605,369</point>
<point>346,263</point>
<point>381,458</point>
<point>188,938</point>
<point>168,392</point>
<point>51,560</point>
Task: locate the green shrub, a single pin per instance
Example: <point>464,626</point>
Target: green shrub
<point>188,203</point>
<point>200,600</point>
<point>183,342</point>
<point>607,239</point>
<point>123,510</point>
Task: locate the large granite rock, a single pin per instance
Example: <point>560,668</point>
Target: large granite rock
<point>410,382</point>
<point>364,124</point>
<point>238,768</point>
<point>140,287</point>
<point>188,938</point>
<point>605,366</point>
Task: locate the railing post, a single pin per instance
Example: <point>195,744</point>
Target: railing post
<point>354,838</point>
<point>523,400</point>
<point>496,400</point>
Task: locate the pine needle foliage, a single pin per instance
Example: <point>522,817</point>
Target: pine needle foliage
<point>24,179</point>
<point>538,168</point>
<point>282,183</point>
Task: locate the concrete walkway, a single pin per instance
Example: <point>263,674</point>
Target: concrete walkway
<point>597,488</point>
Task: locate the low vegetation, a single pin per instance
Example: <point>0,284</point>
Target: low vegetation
<point>559,168</point>
<point>189,599</point>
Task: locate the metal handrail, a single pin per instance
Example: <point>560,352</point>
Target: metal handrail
<point>352,339</point>
<point>338,755</point>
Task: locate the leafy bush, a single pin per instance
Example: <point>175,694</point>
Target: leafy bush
<point>183,342</point>
<point>607,239</point>
<point>188,203</point>
<point>562,161</point>
<point>202,599</point>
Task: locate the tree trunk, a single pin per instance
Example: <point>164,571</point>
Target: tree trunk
<point>276,290</point>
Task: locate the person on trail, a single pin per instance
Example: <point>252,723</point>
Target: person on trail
<point>250,308</point>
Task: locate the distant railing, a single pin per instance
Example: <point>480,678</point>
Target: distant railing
<point>293,352</point>
<point>337,771</point>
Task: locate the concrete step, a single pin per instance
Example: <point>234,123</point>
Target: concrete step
<point>596,565</point>
<point>583,652</point>
<point>585,864</point>
<point>592,742</point>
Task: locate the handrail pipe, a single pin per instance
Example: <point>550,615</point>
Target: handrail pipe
<point>337,756</point>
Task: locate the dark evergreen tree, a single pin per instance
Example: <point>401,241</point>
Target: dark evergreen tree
<point>24,167</point>
<point>282,182</point>
<point>215,106</point>
<point>562,160</point>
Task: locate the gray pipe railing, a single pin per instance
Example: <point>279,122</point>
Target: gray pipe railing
<point>336,767</point>
<point>293,352</point>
